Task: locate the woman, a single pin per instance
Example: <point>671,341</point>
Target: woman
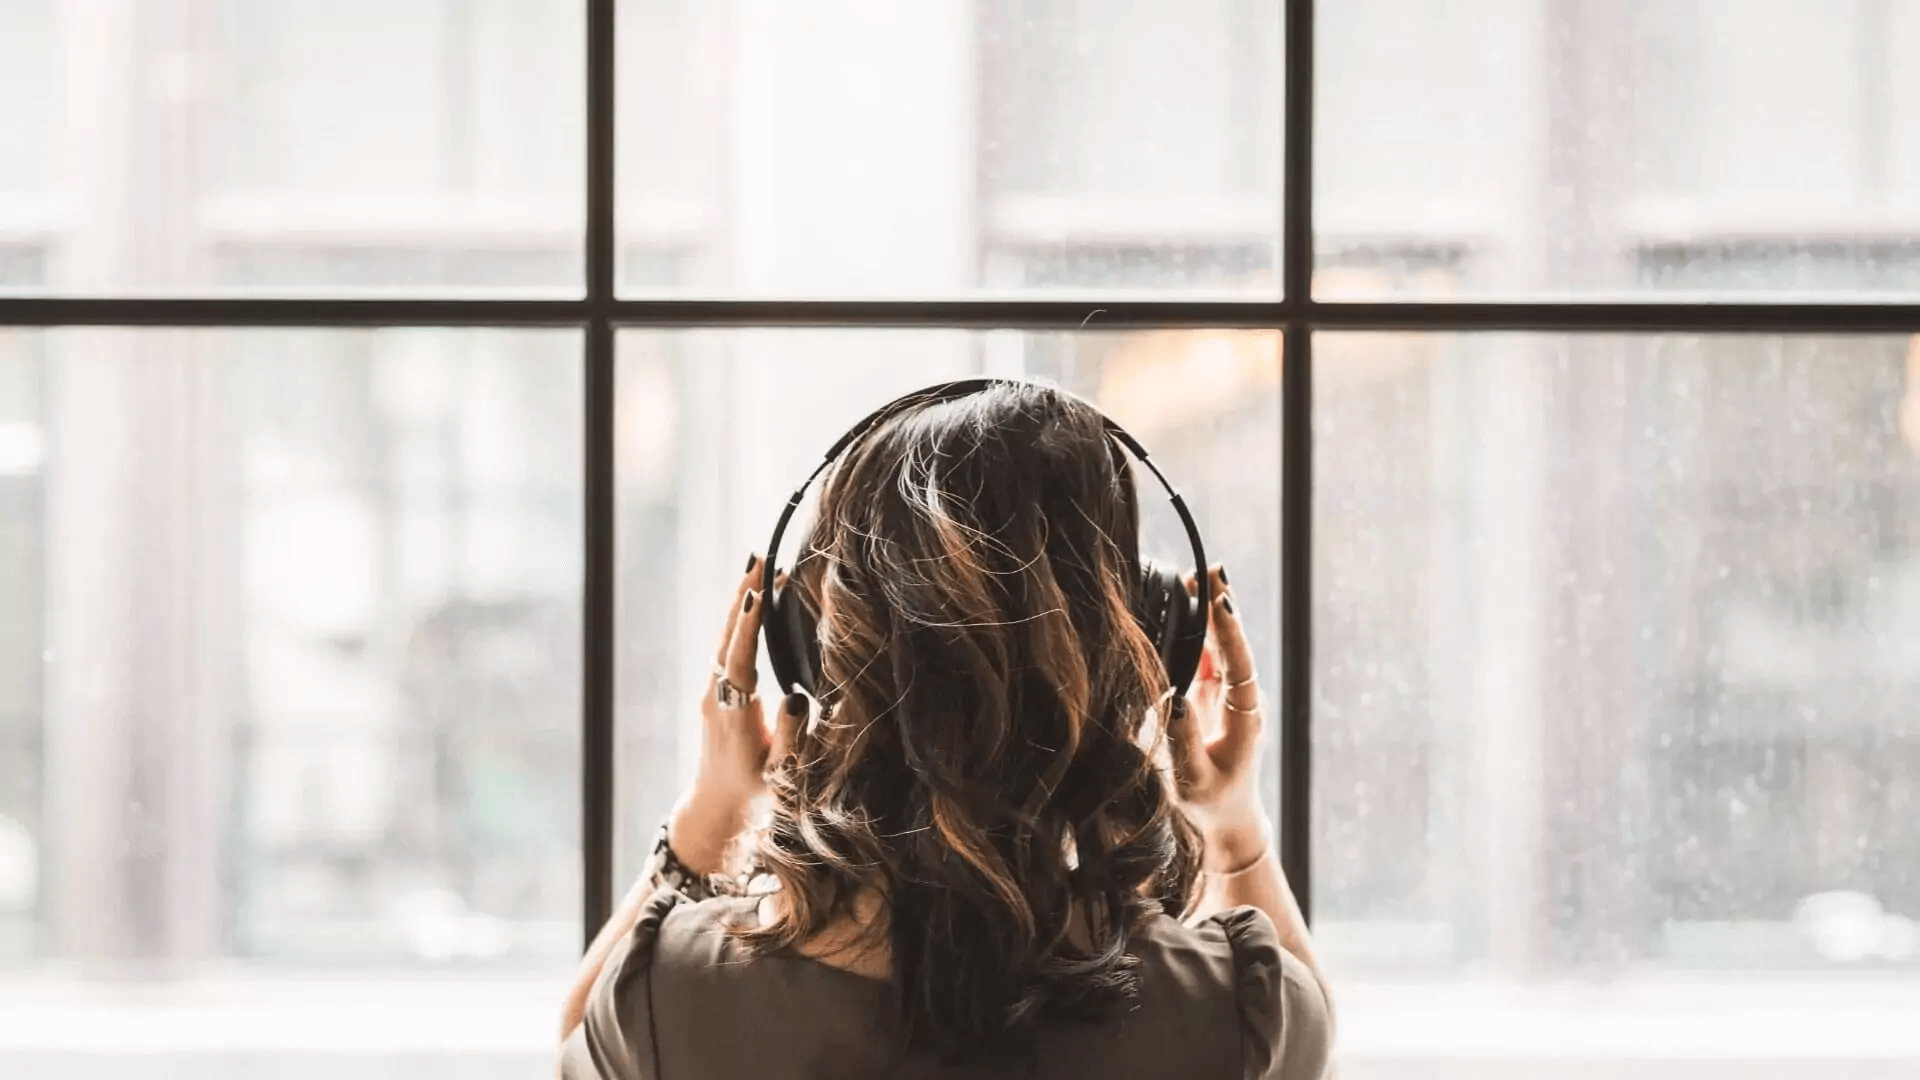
<point>988,855</point>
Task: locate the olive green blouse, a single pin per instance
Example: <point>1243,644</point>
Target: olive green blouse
<point>679,997</point>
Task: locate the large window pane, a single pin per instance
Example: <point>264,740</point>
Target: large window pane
<point>1597,147</point>
<point>289,698</point>
<point>837,148</point>
<point>718,427</point>
<point>311,146</point>
<point>1615,688</point>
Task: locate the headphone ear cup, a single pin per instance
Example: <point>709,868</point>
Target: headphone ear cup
<point>1150,606</point>
<point>1187,640</point>
<point>1173,621</point>
<point>793,641</point>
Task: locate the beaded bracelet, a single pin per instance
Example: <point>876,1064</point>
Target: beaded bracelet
<point>670,873</point>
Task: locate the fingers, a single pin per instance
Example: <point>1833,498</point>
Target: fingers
<point>1209,683</point>
<point>742,654</point>
<point>1205,690</point>
<point>1229,641</point>
<point>795,709</point>
<point>723,648</point>
<point>1241,719</point>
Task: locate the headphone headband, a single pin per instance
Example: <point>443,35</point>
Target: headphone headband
<point>1184,659</point>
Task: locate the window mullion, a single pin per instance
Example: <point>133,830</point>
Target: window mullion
<point>1296,461</point>
<point>598,489</point>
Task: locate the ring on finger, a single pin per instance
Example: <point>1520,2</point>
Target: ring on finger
<point>1248,681</point>
<point>1253,708</point>
<point>729,696</point>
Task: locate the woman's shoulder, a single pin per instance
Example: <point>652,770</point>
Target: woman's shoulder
<point>698,955</point>
<point>1234,960</point>
<point>1214,953</point>
<point>673,929</point>
<point>700,931</point>
<point>614,1040</point>
<point>671,979</point>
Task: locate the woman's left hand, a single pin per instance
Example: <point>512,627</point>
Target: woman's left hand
<point>735,749</point>
<point>736,744</point>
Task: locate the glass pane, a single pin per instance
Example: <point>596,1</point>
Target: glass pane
<point>306,146</point>
<point>1615,699</point>
<point>1561,148</point>
<point>718,427</point>
<point>289,700</point>
<point>942,147</point>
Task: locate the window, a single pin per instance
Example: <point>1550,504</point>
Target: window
<point>1672,148</point>
<point>382,387</point>
<point>712,423</point>
<point>1613,639</point>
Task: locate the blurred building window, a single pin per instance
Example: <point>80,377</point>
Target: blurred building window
<point>1615,765</point>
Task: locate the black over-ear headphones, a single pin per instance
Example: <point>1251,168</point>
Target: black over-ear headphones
<point>1175,622</point>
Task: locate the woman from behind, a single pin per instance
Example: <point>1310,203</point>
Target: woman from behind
<point>998,844</point>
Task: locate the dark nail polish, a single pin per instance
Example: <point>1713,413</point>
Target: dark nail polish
<point>1223,575</point>
<point>1177,709</point>
<point>796,704</point>
<point>752,561</point>
<point>747,604</point>
<point>1226,604</point>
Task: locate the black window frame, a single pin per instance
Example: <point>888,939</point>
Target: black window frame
<point>1296,314</point>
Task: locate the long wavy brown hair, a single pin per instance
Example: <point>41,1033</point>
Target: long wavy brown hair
<point>977,763</point>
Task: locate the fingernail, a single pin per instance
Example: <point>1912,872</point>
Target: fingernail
<point>754,560</point>
<point>1226,603</point>
<point>796,704</point>
<point>747,604</point>
<point>1223,575</point>
<point>1177,708</point>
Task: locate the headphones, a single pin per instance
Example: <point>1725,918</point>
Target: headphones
<point>1175,622</point>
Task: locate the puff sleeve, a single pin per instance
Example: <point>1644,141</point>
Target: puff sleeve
<point>615,1039</point>
<point>1286,1026</point>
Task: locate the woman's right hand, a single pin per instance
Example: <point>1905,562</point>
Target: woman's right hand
<point>1215,737</point>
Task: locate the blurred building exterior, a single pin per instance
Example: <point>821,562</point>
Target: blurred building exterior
<point>1617,639</point>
